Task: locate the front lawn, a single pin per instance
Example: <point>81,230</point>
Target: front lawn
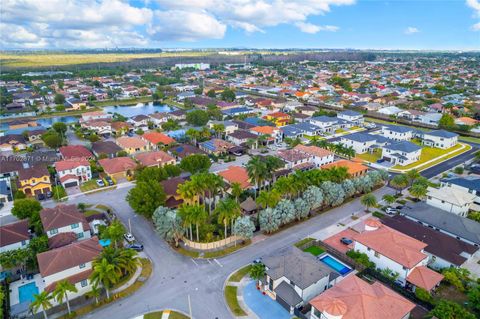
<point>239,274</point>
<point>314,250</point>
<point>91,212</point>
<point>371,157</point>
<point>431,153</point>
<point>89,185</point>
<point>302,242</point>
<point>232,301</point>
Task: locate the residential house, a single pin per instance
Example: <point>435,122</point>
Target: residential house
<point>320,156</point>
<point>5,190</point>
<point>354,169</point>
<point>72,263</point>
<point>443,251</point>
<point>139,121</point>
<point>390,110</point>
<point>183,150</point>
<point>155,159</point>
<point>34,180</point>
<point>178,115</point>
<point>241,137</point>
<point>12,142</point>
<point>273,134</point>
<point>100,127</point>
<point>105,148</point>
<point>132,145</point>
<point>293,277</point>
<point>34,137</point>
<point>170,186</point>
<point>296,159</point>
<point>156,140</point>
<point>440,139</point>
<point>229,126</point>
<point>73,172</point>
<point>389,249</point>
<point>278,118</point>
<point>470,185</point>
<point>96,115</point>
<point>452,200</point>
<point>354,298</point>
<point>236,174</point>
<point>236,111</point>
<point>159,118</point>
<point>64,219</point>
<point>301,129</point>
<point>401,153</point>
<point>307,110</point>
<point>121,128</point>
<point>360,142</point>
<point>10,165</point>
<point>467,121</point>
<point>74,104</point>
<point>118,167</point>
<point>351,116</point>
<point>21,124</point>
<point>429,118</point>
<point>445,222</point>
<point>216,146</point>
<point>397,133</point>
<point>14,236</point>
<point>328,124</point>
<point>75,152</point>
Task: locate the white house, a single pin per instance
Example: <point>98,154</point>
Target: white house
<point>450,200</point>
<point>360,142</point>
<point>351,116</point>
<point>140,120</point>
<point>397,133</point>
<point>390,110</point>
<point>294,158</point>
<point>326,123</point>
<point>96,115</point>
<point>14,236</point>
<point>64,219</point>
<point>229,126</point>
<point>469,185</point>
<point>73,172</point>
<point>159,118</point>
<point>401,153</point>
<point>440,139</point>
<point>293,277</point>
<point>319,156</point>
<point>389,249</point>
<point>98,126</point>
<point>72,262</point>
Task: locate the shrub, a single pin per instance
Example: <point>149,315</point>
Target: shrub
<point>360,258</point>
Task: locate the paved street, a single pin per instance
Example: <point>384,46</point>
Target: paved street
<point>176,276</point>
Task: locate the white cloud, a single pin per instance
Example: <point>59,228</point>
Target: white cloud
<point>475,5</point>
<point>476,27</point>
<point>411,30</point>
<point>312,28</point>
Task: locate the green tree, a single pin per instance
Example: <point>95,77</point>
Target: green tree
<point>227,210</point>
<point>59,98</point>
<point>168,224</point>
<point>389,199</point>
<point>236,190</point>
<point>228,95</point>
<point>60,128</point>
<point>145,197</point>
<point>26,208</point>
<point>114,232</point>
<point>368,200</point>
<point>399,182</point>
<point>104,273</point>
<point>446,309</point>
<point>197,117</point>
<point>268,198</point>
<point>418,191</point>
<point>52,139</point>
<point>412,175</point>
<point>474,298</point>
<point>58,192</point>
<point>423,295</point>
<point>211,93</point>
<point>145,174</point>
<point>61,291</point>
<point>41,301</point>
<point>243,227</point>
<point>95,292</point>
<point>257,171</point>
<point>199,216</point>
<point>446,121</point>
<point>195,163</point>
<point>257,272</point>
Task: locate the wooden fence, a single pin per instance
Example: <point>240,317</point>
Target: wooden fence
<point>212,245</point>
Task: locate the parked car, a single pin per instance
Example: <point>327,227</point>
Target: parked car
<point>137,247</point>
<point>346,241</point>
<point>391,211</point>
<point>109,181</point>
<point>49,194</point>
<point>41,196</point>
<point>257,261</point>
<point>100,183</point>
<point>129,237</point>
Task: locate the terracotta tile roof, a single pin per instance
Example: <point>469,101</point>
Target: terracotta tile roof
<point>353,298</point>
<point>313,150</point>
<point>117,164</point>
<point>424,277</point>
<point>292,155</point>
<point>156,137</point>
<point>61,239</point>
<point>36,171</point>
<point>170,185</point>
<point>70,164</point>
<point>278,115</point>
<point>236,174</point>
<point>131,142</point>
<point>61,216</point>
<point>467,120</point>
<point>268,130</point>
<point>57,260</point>
<point>14,233</point>
<point>353,167</point>
<point>75,151</point>
<point>72,279</point>
<point>394,245</point>
<point>67,177</point>
<point>117,126</point>
<point>154,158</point>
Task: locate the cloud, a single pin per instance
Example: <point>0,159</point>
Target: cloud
<point>475,5</point>
<point>312,28</point>
<point>411,30</point>
<point>476,27</point>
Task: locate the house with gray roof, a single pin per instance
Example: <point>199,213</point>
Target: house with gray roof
<point>360,142</point>
<point>453,225</point>
<point>397,132</point>
<point>440,139</point>
<point>351,116</point>
<point>294,277</point>
<point>464,184</point>
<point>401,153</point>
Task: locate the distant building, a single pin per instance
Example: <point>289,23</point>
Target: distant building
<point>196,66</point>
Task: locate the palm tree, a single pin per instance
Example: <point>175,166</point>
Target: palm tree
<point>41,300</point>
<point>199,216</point>
<point>186,214</point>
<point>187,192</point>
<point>368,200</point>
<point>389,199</point>
<point>285,186</point>
<point>268,198</point>
<point>218,129</point>
<point>128,261</point>
<point>104,273</point>
<point>94,293</point>
<point>61,292</point>
<point>193,134</point>
<point>214,185</point>
<point>412,175</point>
<point>114,232</point>
<point>227,211</point>
<point>257,272</point>
<point>236,190</point>
<point>418,191</point>
<point>256,169</point>
<point>399,182</point>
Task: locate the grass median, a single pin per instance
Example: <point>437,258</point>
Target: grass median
<point>232,301</point>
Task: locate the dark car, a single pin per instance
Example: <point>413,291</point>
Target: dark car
<point>109,181</point>
<point>40,196</point>
<point>346,241</point>
<point>257,261</point>
<point>49,194</point>
<point>137,247</point>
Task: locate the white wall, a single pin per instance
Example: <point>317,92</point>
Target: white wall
<point>397,136</point>
<point>18,245</point>
<point>359,147</point>
<point>441,142</point>
<point>448,207</point>
<point>69,229</point>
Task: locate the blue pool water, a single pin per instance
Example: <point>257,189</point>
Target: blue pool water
<point>104,242</point>
<point>26,292</point>
<point>335,265</point>
<point>263,306</point>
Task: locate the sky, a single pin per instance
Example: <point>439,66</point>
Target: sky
<point>356,24</point>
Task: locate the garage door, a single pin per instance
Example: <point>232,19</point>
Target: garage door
<point>71,184</point>
<point>283,303</point>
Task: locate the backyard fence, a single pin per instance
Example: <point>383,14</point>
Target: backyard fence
<point>212,245</point>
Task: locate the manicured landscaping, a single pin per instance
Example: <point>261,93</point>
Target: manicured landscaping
<point>186,252</point>
<point>314,250</point>
<point>89,186</point>
<point>239,274</point>
<point>232,301</point>
<point>158,315</point>
<point>431,153</point>
<point>371,157</point>
<point>91,212</point>
<point>226,251</point>
<point>303,241</point>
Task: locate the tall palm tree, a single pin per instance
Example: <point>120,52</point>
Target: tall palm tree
<point>227,211</point>
<point>128,260</point>
<point>256,169</point>
<point>389,199</point>
<point>268,198</point>
<point>187,192</point>
<point>186,214</point>
<point>95,292</point>
<point>61,292</point>
<point>412,175</point>
<point>285,186</point>
<point>215,185</point>
<point>193,134</point>
<point>41,300</point>
<point>399,182</point>
<point>236,190</point>
<point>104,273</point>
<point>418,191</point>
<point>199,216</point>
<point>368,200</point>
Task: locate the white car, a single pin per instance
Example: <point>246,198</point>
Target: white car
<point>129,237</point>
<point>391,211</point>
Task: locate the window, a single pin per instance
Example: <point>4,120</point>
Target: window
<point>54,231</point>
<point>292,283</point>
<point>24,242</point>
<point>74,226</point>
<point>270,284</point>
<point>80,235</point>
<point>377,255</point>
<point>84,283</point>
<point>81,266</point>
<point>368,249</point>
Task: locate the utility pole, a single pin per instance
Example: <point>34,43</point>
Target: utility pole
<point>129,226</point>
<point>189,307</point>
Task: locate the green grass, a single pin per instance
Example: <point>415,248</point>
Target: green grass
<point>468,139</point>
<point>371,157</point>
<point>314,250</point>
<point>430,153</point>
<point>340,130</point>
<point>239,274</point>
<point>102,207</point>
<point>91,212</point>
<point>378,214</point>
<point>226,251</point>
<point>188,253</point>
<point>232,301</point>
<point>158,315</point>
<point>303,241</point>
<point>89,186</point>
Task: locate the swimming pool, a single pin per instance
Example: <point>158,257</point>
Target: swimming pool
<point>263,306</point>
<point>26,292</point>
<point>335,264</point>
